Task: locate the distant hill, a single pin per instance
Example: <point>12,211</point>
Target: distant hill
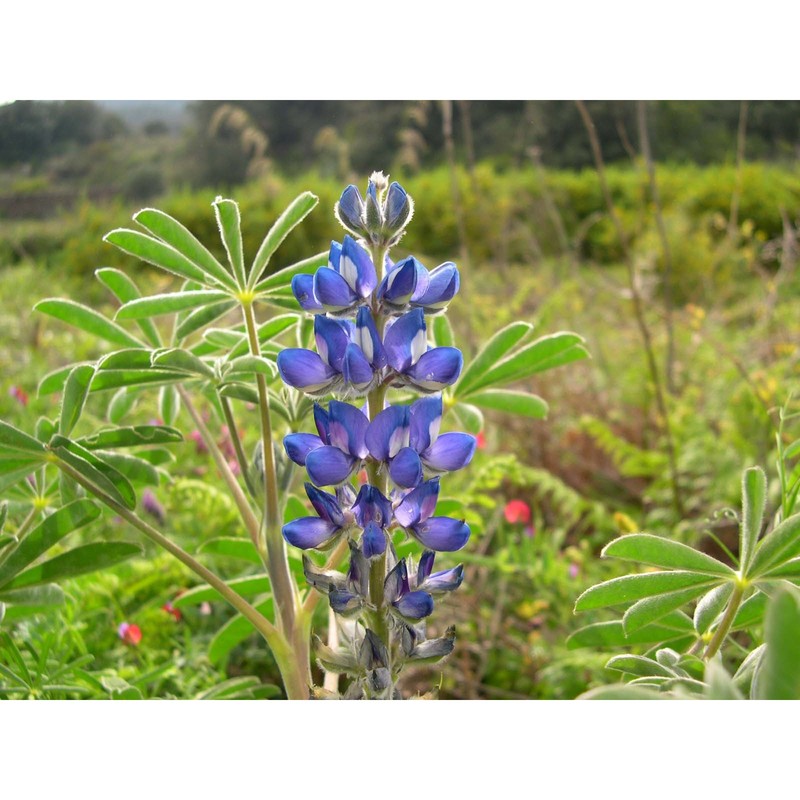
<point>137,113</point>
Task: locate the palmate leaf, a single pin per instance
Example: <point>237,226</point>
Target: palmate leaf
<point>76,389</point>
<point>779,546</point>
<point>623,691</point>
<point>245,366</point>
<point>200,317</point>
<point>134,436</point>
<point>656,551</point>
<point>266,331</point>
<point>754,499</point>
<point>751,612</point>
<point>49,594</point>
<point>778,677</point>
<point>125,290</point>
<point>630,588</point>
<point>173,233</point>
<point>294,214</point>
<point>710,606</point>
<point>497,347</point>
<point>230,230</point>
<point>87,319</point>
<point>651,609</point>
<point>545,353</point>
<point>639,665</point>
<point>136,470</point>
<point>169,303</point>
<point>469,417</point>
<point>674,626</point>
<point>283,277</point>
<point>177,359</point>
<point>443,332</point>
<point>512,402</point>
<point>46,534</point>
<point>78,561</point>
<point>118,378</point>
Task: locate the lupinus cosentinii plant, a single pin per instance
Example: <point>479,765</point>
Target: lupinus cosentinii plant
<point>371,336</point>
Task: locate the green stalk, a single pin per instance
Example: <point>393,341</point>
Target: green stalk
<point>293,679</point>
<point>241,458</point>
<point>726,622</point>
<point>283,586</point>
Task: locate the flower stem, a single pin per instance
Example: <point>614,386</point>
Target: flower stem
<point>726,622</point>
<point>283,586</point>
<point>241,458</point>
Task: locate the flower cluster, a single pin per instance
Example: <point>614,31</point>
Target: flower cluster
<point>371,336</point>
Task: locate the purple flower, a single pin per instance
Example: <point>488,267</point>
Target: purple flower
<point>415,514</point>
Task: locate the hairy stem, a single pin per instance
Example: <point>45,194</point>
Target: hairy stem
<point>283,586</point>
<point>725,623</point>
<point>241,458</point>
<point>246,512</point>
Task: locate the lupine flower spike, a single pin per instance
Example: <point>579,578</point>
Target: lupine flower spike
<point>371,335</point>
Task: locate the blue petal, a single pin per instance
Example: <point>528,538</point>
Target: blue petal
<point>309,532</point>
<point>366,337</point>
<point>356,267</point>
<point>446,581</point>
<point>415,605</point>
<point>356,369</point>
<point>451,451</point>
<point>305,370</point>
<point>442,533</point>
<point>405,468</point>
<point>418,505</point>
<point>325,505</point>
<point>333,291</point>
<point>350,208</point>
<point>329,466</point>
<point>321,421</point>
<point>398,286</point>
<point>425,421</point>
<point>396,583</point>
<point>344,602</point>
<point>334,255</point>
<point>397,203</point>
<point>332,339</point>
<point>405,341</point>
<point>347,428</point>
<point>303,290</point>
<point>436,369</point>
<point>358,571</point>
<point>388,432</point>
<point>425,566</point>
<point>374,541</point>
<point>299,445</point>
<point>443,284</point>
<point>372,507</point>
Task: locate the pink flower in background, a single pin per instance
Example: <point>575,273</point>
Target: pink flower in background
<point>199,444</point>
<point>205,608</point>
<point>172,611</point>
<point>518,512</point>
<point>151,505</point>
<point>19,394</point>
<point>574,570</point>
<point>130,634</point>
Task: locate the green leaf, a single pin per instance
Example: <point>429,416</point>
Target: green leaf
<point>660,552</point>
<point>121,404</point>
<point>250,365</point>
<point>622,691</point>
<point>136,470</point>
<point>46,534</point>
<point>469,417</point>
<point>249,586</point>
<point>512,402</point>
<point>116,378</point>
<point>234,632</point>
<point>778,546</point>
<point>239,391</point>
<point>297,211</point>
<point>169,404</point>
<point>295,508</point>
<point>283,277</point>
<point>490,354</point>
<point>171,231</point>
<point>155,252</point>
<point>169,303</point>
<point>15,471</point>
<point>40,596</point>
<point>630,588</point>
<point>201,317</point>
<point>710,606</point>
<point>125,290</point>
<point>87,319</point>
<point>131,437</point>
<point>95,470</point>
<point>443,332</point>
<point>613,634</point>
<point>183,360</point>
<point>751,612</point>
<point>639,665</point>
<point>650,609</point>
<point>54,381</point>
<point>719,684</point>
<point>231,547</point>
<point>779,677</point>
<point>546,353</point>
<point>76,389</point>
<point>754,499</point>
<point>13,440</point>
<point>267,331</point>
<point>230,230</point>
<point>80,560</point>
<point>229,689</point>
<point>130,358</point>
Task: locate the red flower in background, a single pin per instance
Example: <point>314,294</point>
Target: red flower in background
<point>170,609</point>
<point>480,440</point>
<point>518,512</point>
<point>130,634</point>
<point>19,394</point>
